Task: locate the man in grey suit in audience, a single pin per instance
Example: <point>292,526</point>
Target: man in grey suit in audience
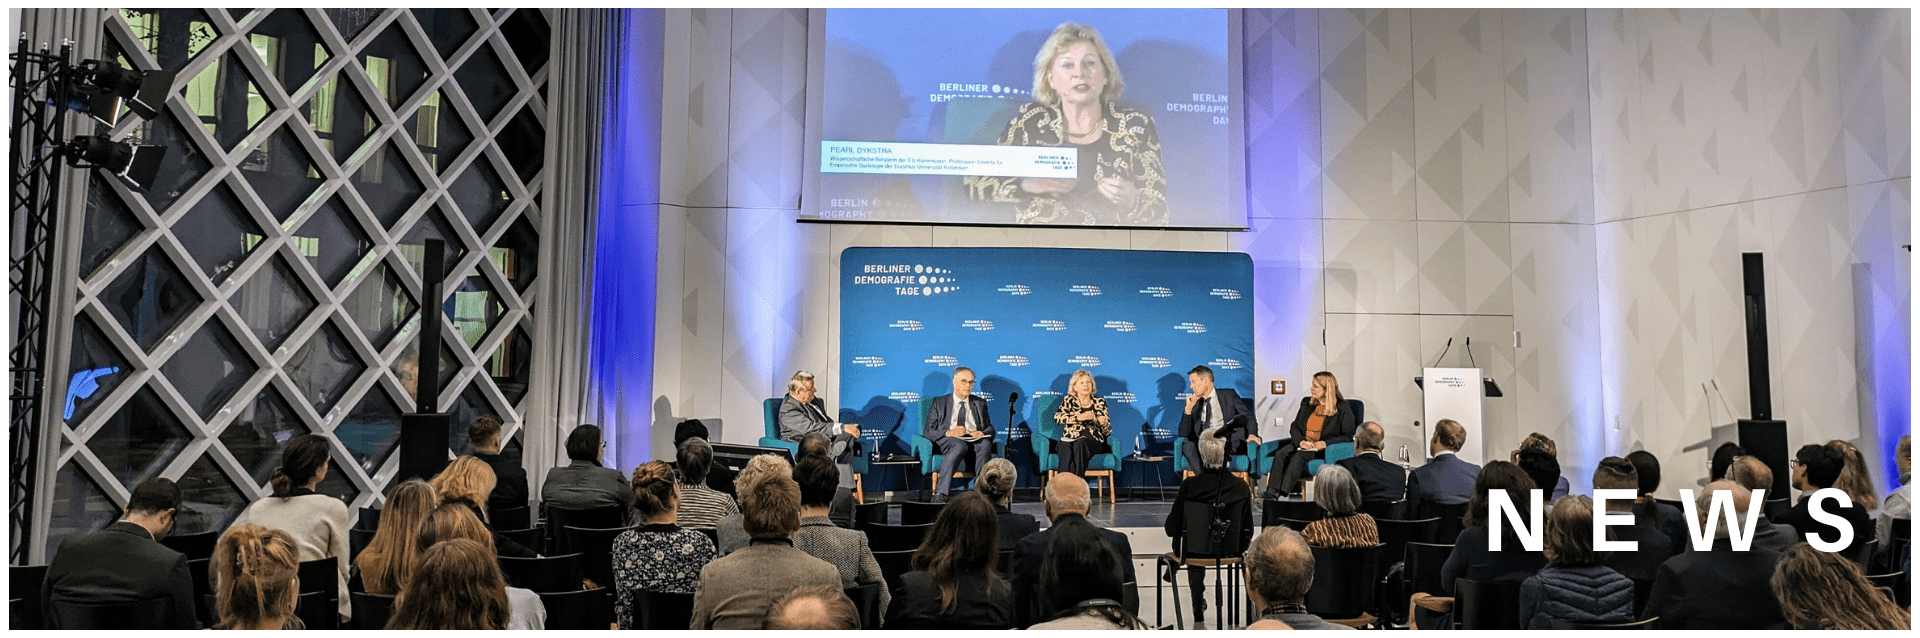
<point>1445,479</point>
<point>803,412</point>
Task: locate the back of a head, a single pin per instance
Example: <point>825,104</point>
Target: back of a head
<point>1080,566</point>
<point>154,496</point>
<point>466,479</point>
<point>694,457</point>
<point>813,607</point>
<point>1741,498</point>
<point>300,460</point>
<point>1541,467</point>
<point>1280,566</point>
<point>1647,466</point>
<point>818,478</point>
<point>452,521</point>
<point>1615,473</point>
<point>770,507</point>
<point>484,432</point>
<point>1752,474</point>
<point>757,468</point>
<point>1499,476</point>
<point>1723,457</point>
<point>1823,464</point>
<point>997,480</point>
<point>1448,436</point>
<point>1336,491</point>
<point>1067,493</point>
<point>1855,479</point>
<point>388,559</point>
<point>1825,590</point>
<point>1569,535</point>
<point>654,491</point>
<point>256,569</point>
<point>1370,437</point>
<point>689,429</point>
<point>583,444</point>
<point>814,444</point>
<point>965,537</point>
<point>1213,450</point>
<point>1541,442</point>
<point>457,585</point>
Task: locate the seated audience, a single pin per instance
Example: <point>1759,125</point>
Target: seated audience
<point>509,479</point>
<point>457,585</point>
<point>1080,582</point>
<point>1473,555</point>
<point>1445,479</point>
<point>1854,477</point>
<point>451,521</point>
<point>953,584</point>
<point>996,483</point>
<point>1821,590</point>
<point>841,509</point>
<point>388,559</point>
<point>845,549</point>
<point>317,522</point>
<point>1344,526</point>
<point>1381,481</point>
<point>1818,467</point>
<point>730,530</point>
<point>1723,457</point>
<point>1538,441</point>
<point>1615,473</point>
<point>1575,585</point>
<point>719,476</point>
<point>1279,573</point>
<point>583,484</point>
<point>1720,588</point>
<point>1651,512</point>
<point>1543,469</point>
<point>736,590</point>
<point>701,507</point>
<point>257,571</point>
<point>125,562</point>
<point>1065,498</point>
<point>659,556</point>
<point>1213,486</point>
<point>467,481</point>
<point>1897,505</point>
<point>1750,473</point>
<point>813,607</point>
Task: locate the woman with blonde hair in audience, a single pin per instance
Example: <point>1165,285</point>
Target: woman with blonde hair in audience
<point>1822,590</point>
<point>316,522</point>
<point>388,559</point>
<point>1854,477</point>
<point>1344,526</point>
<point>659,556</point>
<point>258,574</point>
<point>457,585</point>
<point>453,521</point>
<point>468,481</point>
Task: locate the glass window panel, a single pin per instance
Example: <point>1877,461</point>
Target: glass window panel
<point>262,427</point>
<point>273,302</point>
<point>528,34</point>
<point>339,116</point>
<point>324,368</point>
<point>402,365</point>
<point>480,194</point>
<point>351,22</point>
<point>371,431</point>
<point>470,405</point>
<point>394,65</point>
<point>150,298</point>
<point>209,368</point>
<point>524,143</point>
<point>433,225</point>
<point>438,131</point>
<point>139,440</point>
<point>336,484</point>
<point>172,36</point>
<point>184,162</point>
<point>517,252</point>
<point>484,80</point>
<point>109,225</point>
<point>218,232</point>
<point>95,368</point>
<point>512,450</point>
<point>211,500</point>
<point>282,173</point>
<point>239,15</point>
<point>226,100</point>
<point>474,308</point>
<point>511,364</point>
<point>446,28</point>
<point>380,305</point>
<point>79,506</point>
<point>387,183</point>
<point>290,46</point>
<point>333,241</point>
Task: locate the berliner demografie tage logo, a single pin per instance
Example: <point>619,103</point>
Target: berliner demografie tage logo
<point>1085,290</point>
<point>1228,294</point>
<point>1012,360</point>
<point>1226,364</point>
<point>1157,292</point>
<point>908,280</point>
<point>1050,325</point>
<point>1156,362</point>
<point>908,325</point>
<point>1190,327</point>
<point>869,361</point>
<point>1085,361</point>
<point>942,360</point>
<point>1122,326</point>
<point>977,324</point>
<point>1016,290</point>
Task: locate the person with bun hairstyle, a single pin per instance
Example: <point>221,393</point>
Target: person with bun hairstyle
<point>316,522</point>
<point>388,559</point>
<point>659,556</point>
<point>996,483</point>
<point>452,521</point>
<point>457,585</point>
<point>258,571</point>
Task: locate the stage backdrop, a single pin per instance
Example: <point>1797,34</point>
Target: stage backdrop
<point>1024,319</point>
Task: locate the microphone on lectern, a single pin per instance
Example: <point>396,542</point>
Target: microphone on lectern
<point>1443,352</point>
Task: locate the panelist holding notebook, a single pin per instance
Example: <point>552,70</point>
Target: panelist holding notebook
<point>1209,407</point>
<point>960,432</point>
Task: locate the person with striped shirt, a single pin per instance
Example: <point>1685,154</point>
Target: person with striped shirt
<point>701,507</point>
<point>1344,526</point>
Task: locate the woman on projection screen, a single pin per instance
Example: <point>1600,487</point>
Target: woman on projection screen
<point>1120,182</point>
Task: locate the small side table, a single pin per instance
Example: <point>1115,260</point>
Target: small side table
<point>1148,464</point>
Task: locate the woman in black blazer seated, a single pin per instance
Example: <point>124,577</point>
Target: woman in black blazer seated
<point>1325,418</point>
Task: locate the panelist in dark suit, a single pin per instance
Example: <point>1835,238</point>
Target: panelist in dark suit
<point>1445,479</point>
<point>1380,480</point>
<point>1209,407</point>
<point>803,412</point>
<point>125,562</point>
<point>946,424</point>
<point>1324,418</point>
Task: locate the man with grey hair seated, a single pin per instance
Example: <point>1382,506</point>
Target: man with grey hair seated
<point>1066,497</point>
<point>1279,573</point>
<point>732,535</point>
<point>1719,588</point>
<point>814,607</point>
<point>1381,481</point>
<point>1214,485</point>
<point>803,412</point>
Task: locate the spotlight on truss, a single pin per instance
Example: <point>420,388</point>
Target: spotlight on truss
<point>101,88</point>
<point>137,166</point>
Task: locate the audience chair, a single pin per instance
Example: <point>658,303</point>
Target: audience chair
<point>369,518</point>
<point>918,513</point>
<point>1295,525</point>
<point>895,537</point>
<point>1239,464</point>
<point>18,609</point>
<point>894,563</point>
<point>1491,605</point>
<point>595,545</point>
<point>1394,536</point>
<point>1396,510</point>
<point>656,610</point>
<point>559,518</point>
<point>155,613</point>
<point>866,599</point>
<point>1047,461</point>
<point>1343,584</point>
<point>586,609</point>
<point>713,536</point>
<point>1451,521</point>
<point>319,605</point>
<point>357,541</point>
<point>1006,561</point>
<point>203,608</point>
<point>1423,566</point>
<point>371,611</point>
<point>1642,590</point>
<point>1638,625</point>
<point>1272,510</point>
<point>1890,584</point>
<point>27,583</point>
<point>529,538</point>
<point>868,513</point>
<point>195,546</point>
<point>511,518</point>
<point>770,420</point>
<point>1200,547</point>
<point>544,575</point>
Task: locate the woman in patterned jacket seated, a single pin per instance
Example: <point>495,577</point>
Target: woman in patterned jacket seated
<point>659,556</point>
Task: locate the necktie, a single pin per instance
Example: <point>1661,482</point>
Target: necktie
<point>1206,413</point>
<point>965,417</point>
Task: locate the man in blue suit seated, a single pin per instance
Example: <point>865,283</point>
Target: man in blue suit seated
<point>1445,479</point>
<point>1210,408</point>
<point>959,432</point>
<point>802,412</point>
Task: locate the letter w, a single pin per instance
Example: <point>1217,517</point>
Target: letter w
<point>1741,534</point>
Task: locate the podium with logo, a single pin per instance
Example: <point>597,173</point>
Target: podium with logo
<point>1458,394</point>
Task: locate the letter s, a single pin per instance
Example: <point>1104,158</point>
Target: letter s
<point>1821,514</point>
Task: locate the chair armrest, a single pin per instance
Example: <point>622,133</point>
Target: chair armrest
<point>789,446</point>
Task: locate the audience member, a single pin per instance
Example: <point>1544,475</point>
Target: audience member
<point>388,559</point>
<point>953,584</point>
<point>1344,526</point>
<point>1222,496</point>
<point>1279,573</point>
<point>583,484</point>
<point>731,531</point>
<point>1542,468</point>
<point>467,481</point>
<point>1381,481</point>
<point>1723,457</point>
<point>125,562</point>
<point>1720,588</point>
<point>1080,582</point>
<point>996,483</point>
<point>845,549</point>
<point>659,556</point>
<point>452,521</point>
<point>719,476</point>
<point>457,585</point>
<point>1818,467</point>
<point>1654,548</point>
<point>258,574</point>
<point>1660,515</point>
<point>1473,555</point>
<point>701,507</point>
<point>317,522</point>
<point>1065,498</point>
<point>814,607</point>
<point>1575,585</point>
<point>1855,479</point>
<point>509,479</point>
<point>1897,505</point>
<point>840,511</point>
<point>735,590</point>
<point>1538,441</point>
<point>1820,590</point>
<point>1750,473</point>
<point>1445,479</point>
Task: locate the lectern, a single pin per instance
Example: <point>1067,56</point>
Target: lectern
<point>1458,394</point>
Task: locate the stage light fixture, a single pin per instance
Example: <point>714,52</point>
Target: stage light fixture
<point>100,88</point>
<point>137,166</point>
